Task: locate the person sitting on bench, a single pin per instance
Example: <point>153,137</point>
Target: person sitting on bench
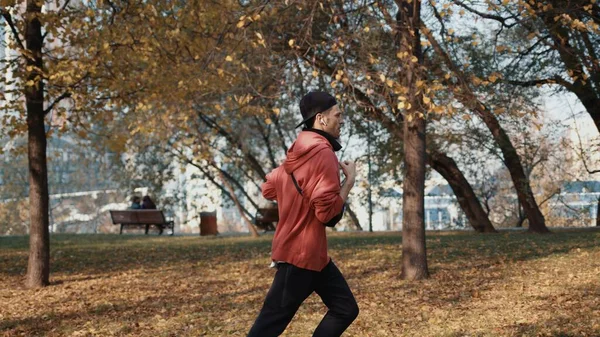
<point>147,203</point>
<point>135,203</point>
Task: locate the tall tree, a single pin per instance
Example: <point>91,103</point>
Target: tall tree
<point>50,72</point>
<point>39,72</point>
<point>355,54</point>
<point>539,42</point>
<point>38,268</point>
<point>436,158</point>
<point>465,93</point>
<point>156,77</point>
<point>414,255</point>
<point>181,79</point>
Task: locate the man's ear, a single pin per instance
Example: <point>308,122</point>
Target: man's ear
<point>321,120</point>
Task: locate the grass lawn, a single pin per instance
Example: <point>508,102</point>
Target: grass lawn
<point>508,284</point>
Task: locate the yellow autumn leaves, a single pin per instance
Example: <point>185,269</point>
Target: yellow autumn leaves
<point>246,19</point>
<point>221,293</point>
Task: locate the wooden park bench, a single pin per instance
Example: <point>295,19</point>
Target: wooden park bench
<point>142,217</point>
<point>266,217</point>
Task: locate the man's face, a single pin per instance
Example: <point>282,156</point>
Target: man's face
<point>332,121</point>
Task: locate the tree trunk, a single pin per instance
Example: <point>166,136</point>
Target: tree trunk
<point>520,222</point>
<point>586,90</point>
<point>369,179</point>
<point>354,218</point>
<point>38,267</point>
<point>598,214</point>
<point>591,104</point>
<point>511,158</point>
<point>447,168</point>
<point>227,184</point>
<point>466,197</point>
<point>517,173</point>
<point>414,253</point>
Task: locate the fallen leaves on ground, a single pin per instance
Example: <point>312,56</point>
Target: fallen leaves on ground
<point>508,284</point>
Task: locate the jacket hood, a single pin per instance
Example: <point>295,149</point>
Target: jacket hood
<point>306,146</point>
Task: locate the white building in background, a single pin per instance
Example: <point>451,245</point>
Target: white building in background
<point>575,205</point>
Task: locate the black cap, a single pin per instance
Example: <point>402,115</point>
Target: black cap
<point>313,103</point>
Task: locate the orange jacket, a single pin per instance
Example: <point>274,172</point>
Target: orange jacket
<point>300,237</point>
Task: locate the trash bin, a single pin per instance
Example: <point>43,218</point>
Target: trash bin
<point>208,223</point>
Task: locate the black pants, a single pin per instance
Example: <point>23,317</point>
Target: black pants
<point>291,286</point>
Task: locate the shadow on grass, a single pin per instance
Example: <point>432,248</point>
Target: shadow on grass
<point>469,246</point>
<point>101,254</point>
<point>481,262</point>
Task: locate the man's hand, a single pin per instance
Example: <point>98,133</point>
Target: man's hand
<point>349,169</point>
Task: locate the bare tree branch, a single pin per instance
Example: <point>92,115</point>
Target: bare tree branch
<point>235,181</point>
<point>580,152</point>
<point>554,80</point>
<point>212,179</point>
<point>56,101</point>
<point>6,15</point>
<point>498,18</point>
<point>266,136</point>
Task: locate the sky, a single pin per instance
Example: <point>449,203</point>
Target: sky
<point>564,107</point>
